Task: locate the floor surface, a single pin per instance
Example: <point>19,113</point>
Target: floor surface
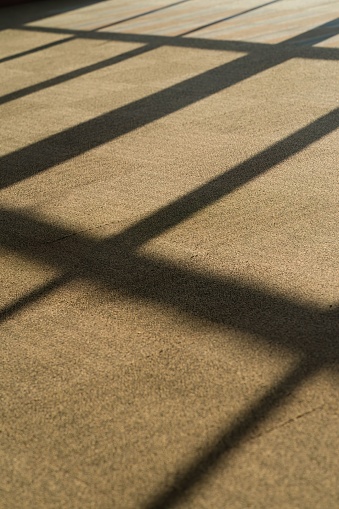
<point>169,254</point>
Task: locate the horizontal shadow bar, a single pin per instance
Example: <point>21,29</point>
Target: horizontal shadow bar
<point>283,323</point>
<point>311,333</point>
<point>291,50</point>
<point>74,141</point>
<point>59,42</point>
<point>233,304</point>
<point>319,33</point>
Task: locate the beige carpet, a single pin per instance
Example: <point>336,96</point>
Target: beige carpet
<point>169,255</point>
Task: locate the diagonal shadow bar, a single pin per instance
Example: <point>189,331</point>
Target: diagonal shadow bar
<point>183,208</point>
<point>179,210</point>
<point>231,304</point>
<point>166,40</point>
<point>207,302</point>
<point>311,333</point>
<point>203,304</point>
<point>74,74</point>
<point>243,428</point>
<point>143,14</point>
<point>36,50</point>
<point>35,295</point>
<point>77,73</point>
<point>228,18</point>
<point>76,140</point>
<point>17,94</point>
<point>283,323</point>
<point>317,34</point>
<point>146,39</point>
<point>58,43</point>
<point>83,137</point>
<point>85,70</point>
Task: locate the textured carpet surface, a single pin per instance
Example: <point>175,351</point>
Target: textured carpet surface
<point>169,247</point>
